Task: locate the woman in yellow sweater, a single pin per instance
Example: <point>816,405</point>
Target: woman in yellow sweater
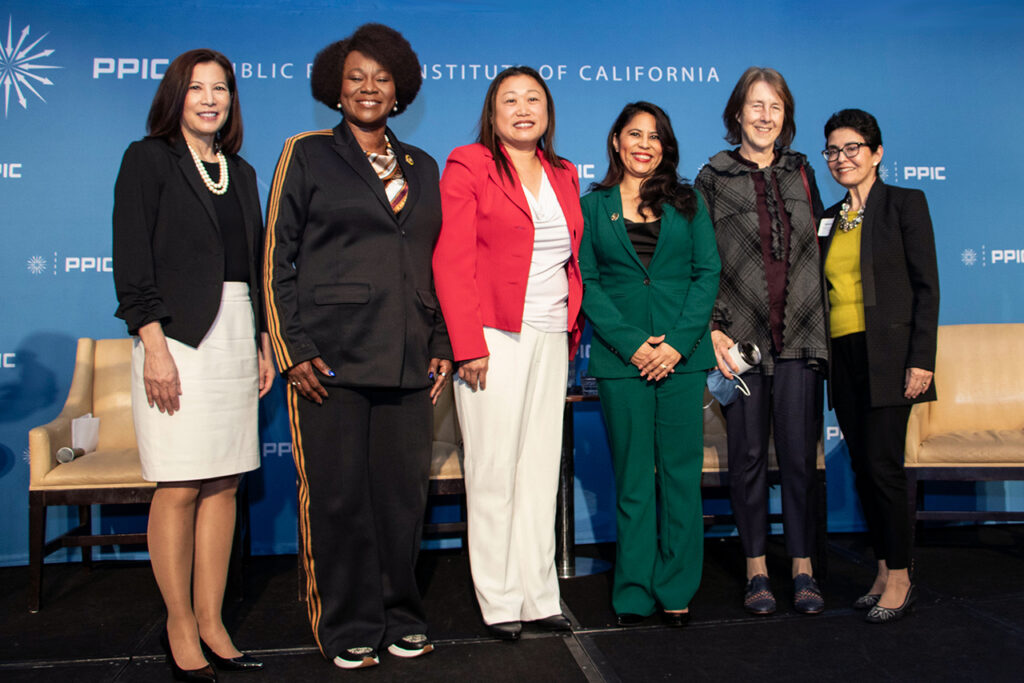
<point>883,291</point>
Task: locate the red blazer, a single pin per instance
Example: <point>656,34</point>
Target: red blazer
<point>482,257</point>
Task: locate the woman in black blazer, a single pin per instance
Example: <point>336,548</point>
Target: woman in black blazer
<point>187,237</point>
<point>883,293</point>
<point>355,325</point>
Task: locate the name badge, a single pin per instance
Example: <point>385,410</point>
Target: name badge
<point>825,226</point>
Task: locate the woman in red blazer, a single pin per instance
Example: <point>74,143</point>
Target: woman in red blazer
<point>508,280</point>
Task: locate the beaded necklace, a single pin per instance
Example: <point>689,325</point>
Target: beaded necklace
<point>846,223</point>
<point>219,187</point>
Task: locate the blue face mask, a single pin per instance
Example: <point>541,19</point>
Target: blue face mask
<point>725,390</point>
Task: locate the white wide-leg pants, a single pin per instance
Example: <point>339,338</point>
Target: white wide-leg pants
<point>512,433</point>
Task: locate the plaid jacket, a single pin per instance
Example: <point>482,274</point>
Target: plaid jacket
<point>741,309</point>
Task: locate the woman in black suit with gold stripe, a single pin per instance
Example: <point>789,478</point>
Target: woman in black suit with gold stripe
<point>352,219</point>
<point>187,238</point>
<point>883,293</point>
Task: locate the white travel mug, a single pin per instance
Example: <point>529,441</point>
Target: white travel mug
<point>745,354</point>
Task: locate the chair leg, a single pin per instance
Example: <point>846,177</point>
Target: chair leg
<point>85,520</point>
<point>36,541</point>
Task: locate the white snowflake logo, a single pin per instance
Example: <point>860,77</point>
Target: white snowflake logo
<point>883,173</point>
<point>17,66</point>
<point>969,257</point>
<point>26,455</point>
<point>36,265</point>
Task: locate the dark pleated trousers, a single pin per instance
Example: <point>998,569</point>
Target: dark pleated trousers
<point>790,403</point>
<point>363,461</point>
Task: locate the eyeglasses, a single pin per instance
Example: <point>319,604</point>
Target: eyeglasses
<point>850,149</point>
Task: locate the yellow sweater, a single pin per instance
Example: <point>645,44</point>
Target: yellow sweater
<point>845,291</point>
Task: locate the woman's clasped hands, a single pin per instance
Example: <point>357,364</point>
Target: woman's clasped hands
<point>655,359</point>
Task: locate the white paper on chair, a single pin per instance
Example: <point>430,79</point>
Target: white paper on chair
<point>85,432</point>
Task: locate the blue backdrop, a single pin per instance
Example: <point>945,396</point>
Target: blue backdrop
<point>77,78</point>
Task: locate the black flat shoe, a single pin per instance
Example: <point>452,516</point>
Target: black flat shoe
<point>506,630</point>
<point>883,615</point>
<point>758,598</point>
<point>556,622</point>
<point>807,598</point>
<point>243,662</point>
<point>675,618</point>
<point>203,675</point>
<point>866,601</point>
<point>629,619</point>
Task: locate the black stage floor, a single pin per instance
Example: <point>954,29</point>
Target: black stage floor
<point>103,624</point>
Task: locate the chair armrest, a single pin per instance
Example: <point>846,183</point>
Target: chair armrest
<point>45,440</point>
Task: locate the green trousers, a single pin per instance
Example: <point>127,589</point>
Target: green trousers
<point>657,444</point>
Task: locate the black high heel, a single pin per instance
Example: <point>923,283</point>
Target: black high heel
<point>203,675</point>
<point>243,662</point>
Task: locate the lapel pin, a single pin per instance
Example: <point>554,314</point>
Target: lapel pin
<point>408,159</point>
<point>615,216</point>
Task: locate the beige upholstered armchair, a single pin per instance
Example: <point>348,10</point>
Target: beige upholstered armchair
<point>111,474</point>
<point>446,465</point>
<point>975,431</point>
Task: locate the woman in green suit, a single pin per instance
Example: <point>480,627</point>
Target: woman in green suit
<point>650,274</point>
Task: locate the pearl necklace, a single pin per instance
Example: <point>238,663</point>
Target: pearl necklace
<point>845,224</point>
<point>219,187</point>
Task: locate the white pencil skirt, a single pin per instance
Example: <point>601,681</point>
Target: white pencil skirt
<point>215,433</point>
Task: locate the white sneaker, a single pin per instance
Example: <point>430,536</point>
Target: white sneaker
<point>411,646</point>
<point>357,658</point>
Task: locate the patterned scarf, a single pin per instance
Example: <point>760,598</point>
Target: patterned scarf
<point>388,170</point>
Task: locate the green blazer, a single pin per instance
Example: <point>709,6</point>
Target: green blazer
<point>627,303</point>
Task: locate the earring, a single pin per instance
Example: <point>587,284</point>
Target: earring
<point>395,108</point>
<point>875,164</point>
<point>338,106</point>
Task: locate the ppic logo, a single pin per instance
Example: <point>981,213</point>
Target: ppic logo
<point>280,449</point>
<point>994,257</point>
<point>910,172</point>
<point>37,265</point>
<point>19,64</point>
<point>924,172</point>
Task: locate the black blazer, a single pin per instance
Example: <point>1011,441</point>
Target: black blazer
<point>901,289</point>
<point>168,252</point>
<point>345,278</point>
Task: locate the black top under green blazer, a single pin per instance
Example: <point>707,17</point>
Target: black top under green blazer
<point>900,280</point>
<point>626,303</point>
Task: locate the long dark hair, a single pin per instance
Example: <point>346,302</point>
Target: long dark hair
<point>489,137</point>
<point>664,186</point>
<point>169,102</point>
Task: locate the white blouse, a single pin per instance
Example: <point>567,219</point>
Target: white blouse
<point>547,290</point>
